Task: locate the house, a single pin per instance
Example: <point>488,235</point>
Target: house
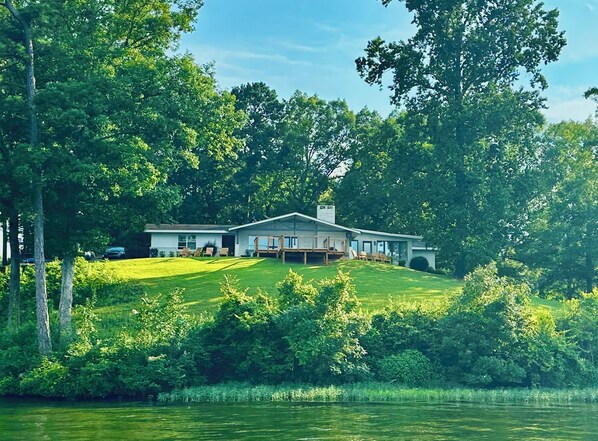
<point>292,236</point>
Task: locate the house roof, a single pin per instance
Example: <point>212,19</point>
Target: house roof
<point>223,229</point>
<point>187,228</point>
<point>291,215</point>
<point>396,235</point>
<point>420,245</point>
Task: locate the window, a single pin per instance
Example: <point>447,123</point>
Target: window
<point>290,242</point>
<point>187,240</point>
<point>264,243</point>
<point>367,247</point>
<point>382,247</point>
<point>355,245</point>
<point>403,250</point>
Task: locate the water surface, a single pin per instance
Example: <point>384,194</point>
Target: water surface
<point>43,420</point>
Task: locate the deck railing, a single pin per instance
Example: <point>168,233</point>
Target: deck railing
<point>271,244</point>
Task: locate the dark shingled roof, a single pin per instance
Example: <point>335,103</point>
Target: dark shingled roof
<point>186,227</point>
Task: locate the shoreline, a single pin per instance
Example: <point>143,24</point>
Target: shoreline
<point>372,392</point>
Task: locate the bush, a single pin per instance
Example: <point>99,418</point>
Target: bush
<point>419,263</point>
<point>46,380</point>
<point>153,252</point>
<point>410,368</point>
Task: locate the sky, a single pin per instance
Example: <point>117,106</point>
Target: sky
<point>311,46</point>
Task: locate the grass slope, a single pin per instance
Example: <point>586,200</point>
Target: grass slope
<point>201,277</point>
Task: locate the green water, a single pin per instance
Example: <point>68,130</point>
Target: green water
<point>34,420</point>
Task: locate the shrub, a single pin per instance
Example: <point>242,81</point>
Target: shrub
<point>153,252</point>
<point>162,254</point>
<point>410,368</point>
<point>419,263</point>
<point>46,380</point>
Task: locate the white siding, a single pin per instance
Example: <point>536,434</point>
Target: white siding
<point>428,254</point>
<point>168,242</point>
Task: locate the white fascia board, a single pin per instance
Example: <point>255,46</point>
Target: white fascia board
<point>188,231</point>
<point>382,233</point>
<point>302,216</point>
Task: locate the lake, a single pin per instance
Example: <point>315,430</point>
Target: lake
<point>47,420</point>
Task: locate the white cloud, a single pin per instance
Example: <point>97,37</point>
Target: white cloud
<point>577,109</point>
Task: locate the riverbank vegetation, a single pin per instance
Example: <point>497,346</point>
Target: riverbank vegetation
<point>372,392</point>
<point>311,333</point>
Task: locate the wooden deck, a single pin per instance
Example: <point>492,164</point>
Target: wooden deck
<point>300,248</point>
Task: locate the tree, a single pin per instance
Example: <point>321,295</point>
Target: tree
<point>456,79</point>
<point>21,16</point>
<point>255,180</point>
<point>99,63</point>
<point>383,184</point>
<point>562,236</point>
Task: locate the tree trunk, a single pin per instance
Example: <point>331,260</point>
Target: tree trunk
<point>66,300</point>
<point>589,272</point>
<point>43,320</point>
<point>14,307</point>
<point>4,244</point>
<point>460,266</point>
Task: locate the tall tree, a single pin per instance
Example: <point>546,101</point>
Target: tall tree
<point>258,160</point>
<point>383,184</point>
<point>456,76</point>
<point>119,120</point>
<point>23,18</point>
<point>562,237</point>
<point>315,143</point>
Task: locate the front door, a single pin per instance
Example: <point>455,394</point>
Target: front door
<point>228,241</point>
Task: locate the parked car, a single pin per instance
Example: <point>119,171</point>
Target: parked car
<point>115,253</point>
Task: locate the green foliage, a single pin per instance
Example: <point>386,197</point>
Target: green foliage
<point>419,263</point>
<point>313,333</point>
<point>402,327</point>
<point>410,368</point>
<point>45,380</point>
<point>580,322</point>
<point>490,338</point>
<point>374,392</point>
<point>18,355</point>
<point>242,341</point>
<point>322,327</point>
<point>563,235</point>
<point>462,108</point>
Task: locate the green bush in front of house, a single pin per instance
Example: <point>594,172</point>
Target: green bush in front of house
<point>419,263</point>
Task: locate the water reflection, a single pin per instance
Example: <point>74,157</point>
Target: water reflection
<point>33,420</point>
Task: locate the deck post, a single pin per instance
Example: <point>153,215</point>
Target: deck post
<point>305,258</point>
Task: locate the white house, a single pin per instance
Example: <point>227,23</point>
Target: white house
<point>290,236</point>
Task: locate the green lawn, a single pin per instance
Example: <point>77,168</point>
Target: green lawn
<point>200,277</point>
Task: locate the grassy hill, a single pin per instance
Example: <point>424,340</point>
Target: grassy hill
<point>201,277</point>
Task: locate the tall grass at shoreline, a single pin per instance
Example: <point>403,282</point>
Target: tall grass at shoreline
<point>372,392</point>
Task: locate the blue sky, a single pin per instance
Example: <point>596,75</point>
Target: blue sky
<point>311,45</point>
